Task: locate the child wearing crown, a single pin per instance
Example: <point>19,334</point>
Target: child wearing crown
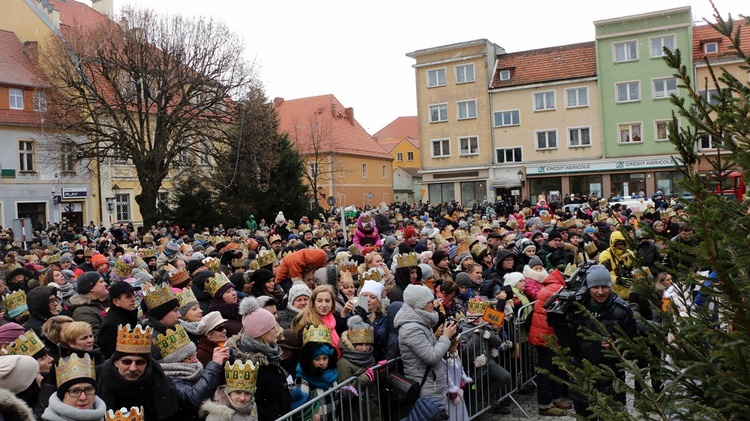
<point>316,371</point>
<point>357,359</point>
<point>234,401</point>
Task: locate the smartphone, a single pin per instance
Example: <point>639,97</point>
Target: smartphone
<point>363,302</point>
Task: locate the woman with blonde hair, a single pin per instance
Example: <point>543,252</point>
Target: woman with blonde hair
<point>79,338</point>
<point>320,310</point>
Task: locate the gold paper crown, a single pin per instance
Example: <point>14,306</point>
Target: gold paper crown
<point>241,376</point>
<point>185,248</point>
<point>462,248</point>
<point>186,296</point>
<point>476,307</point>
<point>121,269</point>
<point>569,223</point>
<point>52,248</point>
<point>87,252</point>
<point>274,238</point>
<point>351,228</point>
<point>199,237</point>
<point>438,239</point>
<point>52,259</point>
<point>347,265</point>
<point>218,239</point>
<point>211,264</point>
<point>322,243</point>
<point>590,248</point>
<point>638,214</point>
<point>238,263</point>
<point>15,300</point>
<point>346,276</point>
<point>407,260</point>
<point>135,413</point>
<point>148,238</point>
<point>447,232</point>
<point>363,333</point>
<point>319,233</point>
<point>215,283</point>
<point>136,341</point>
<point>546,219</point>
<point>73,367</point>
<point>26,344</point>
<point>253,266</point>
<point>158,295</point>
<point>316,334</point>
<point>477,249</point>
<point>148,253</point>
<point>371,275</point>
<point>600,217</point>
<point>459,235</point>
<point>266,257</point>
<point>172,340</point>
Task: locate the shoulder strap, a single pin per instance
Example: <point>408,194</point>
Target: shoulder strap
<point>424,378</point>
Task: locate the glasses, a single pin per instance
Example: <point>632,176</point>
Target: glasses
<point>219,329</point>
<point>54,300</point>
<point>89,391</point>
<point>128,362</point>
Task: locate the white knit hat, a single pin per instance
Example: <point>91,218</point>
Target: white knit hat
<point>374,288</point>
<point>17,372</point>
<point>513,279</point>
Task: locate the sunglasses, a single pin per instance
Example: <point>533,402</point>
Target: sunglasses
<point>221,328</point>
<point>128,362</point>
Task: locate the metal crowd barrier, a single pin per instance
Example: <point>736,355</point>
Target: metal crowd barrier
<point>369,403</point>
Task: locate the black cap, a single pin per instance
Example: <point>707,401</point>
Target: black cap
<point>120,288</point>
<point>87,281</point>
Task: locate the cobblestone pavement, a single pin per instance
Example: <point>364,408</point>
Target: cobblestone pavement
<point>528,403</point>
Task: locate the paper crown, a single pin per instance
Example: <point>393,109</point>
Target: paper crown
<point>135,413</point>
<point>73,367</point>
<point>136,341</point>
<point>238,263</point>
<point>253,266</point>
<point>459,235</point>
<point>362,333</point>
<point>185,297</point>
<point>185,248</point>
<point>172,340</point>
<point>546,219</point>
<point>274,238</point>
<point>15,300</point>
<point>199,237</point>
<point>407,260</point>
<point>476,307</point>
<point>26,344</point>
<point>52,259</point>
<point>158,295</point>
<point>316,334</point>
<point>148,238</point>
<point>121,269</point>
<point>371,275</point>
<point>148,253</point>
<point>438,239</point>
<point>590,248</point>
<point>178,276</point>
<point>462,248</point>
<point>346,276</point>
<point>347,265</point>
<point>322,243</point>
<point>266,257</point>
<point>211,264</point>
<point>88,252</point>
<point>569,223</point>
<point>447,232</point>
<point>241,376</point>
<point>477,249</point>
<point>214,283</point>
<point>218,239</point>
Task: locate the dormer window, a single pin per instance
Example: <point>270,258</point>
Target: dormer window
<point>504,75</point>
<point>711,47</point>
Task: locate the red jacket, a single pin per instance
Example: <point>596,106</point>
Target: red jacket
<point>539,326</point>
<point>295,264</point>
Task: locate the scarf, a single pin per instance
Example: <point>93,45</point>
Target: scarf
<point>249,345</point>
<point>188,372</point>
<point>293,311</point>
<point>191,327</point>
<point>58,411</point>
<point>466,297</point>
<point>330,321</point>
<point>324,381</point>
<point>360,359</point>
<point>67,290</point>
<point>430,319</point>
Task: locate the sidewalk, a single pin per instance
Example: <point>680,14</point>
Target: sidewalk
<point>528,403</point>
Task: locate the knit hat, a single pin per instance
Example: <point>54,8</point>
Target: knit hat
<point>87,281</point>
<point>193,265</point>
<point>463,279</point>
<point>97,260</point>
<point>590,230</point>
<point>9,332</point>
<point>256,321</point>
<point>390,240</point>
<point>141,277</point>
<point>554,235</point>
<point>280,220</point>
<point>172,248</point>
<point>462,257</point>
<point>374,288</point>
<point>417,296</point>
<point>17,372</point>
<point>427,271</point>
<point>209,322</point>
<point>297,289</point>
<point>535,261</point>
<point>438,256</point>
<point>598,275</point>
<point>66,258</point>
<point>410,232</point>
<point>513,279</point>
<point>452,251</point>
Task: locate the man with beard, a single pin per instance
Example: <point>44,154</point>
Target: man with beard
<point>132,378</point>
<point>121,312</point>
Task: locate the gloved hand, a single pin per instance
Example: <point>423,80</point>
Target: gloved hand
<point>480,361</point>
<point>349,392</point>
<point>494,352</point>
<point>506,345</point>
<point>370,374</point>
<point>359,311</point>
<point>625,282</point>
<point>487,334</point>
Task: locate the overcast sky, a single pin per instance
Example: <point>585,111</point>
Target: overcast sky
<point>356,50</point>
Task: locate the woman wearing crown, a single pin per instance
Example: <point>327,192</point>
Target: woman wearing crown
<point>76,398</point>
<point>234,401</point>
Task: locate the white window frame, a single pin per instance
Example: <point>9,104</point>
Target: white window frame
<point>445,151</point>
<point>629,91</point>
<point>15,97</point>
<point>399,157</point>
<point>711,144</point>
<point>579,130</point>
<point>466,106</point>
<point>40,101</point>
<point>314,170</point>
<point>546,106</point>
<point>715,48</point>
<point>630,133</point>
<point>410,156</point>
<point>661,40</point>
<point>709,96</point>
<point>68,157</point>
<point>364,170</point>
<point>578,103</point>
<point>626,59</point>
<point>440,113</point>
<point>468,139</point>
<point>656,129</point>
<point>464,66</point>
<point>665,93</point>
<point>504,115</point>
<point>385,172</point>
<point>26,156</point>
<point>546,140</point>
<point>437,78</point>
<point>122,207</point>
<point>503,75</point>
<point>505,155</point>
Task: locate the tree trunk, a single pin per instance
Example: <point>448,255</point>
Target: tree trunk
<point>147,201</point>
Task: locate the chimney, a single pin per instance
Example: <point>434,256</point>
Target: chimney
<point>278,101</point>
<point>31,51</point>
<point>105,7</point>
<point>350,114</point>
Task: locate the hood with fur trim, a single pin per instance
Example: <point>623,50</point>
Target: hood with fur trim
<point>13,408</point>
<point>530,273</point>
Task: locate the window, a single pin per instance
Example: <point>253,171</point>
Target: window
<point>26,156</point>
<point>186,158</point>
<point>313,170</point>
<point>205,157</point>
<point>544,101</point>
<point>467,109</point>
<point>122,201</point>
<point>579,137</point>
<point>707,141</point>
<point>504,75</point>
<point>16,99</point>
<point>162,201</point>
<point>438,113</point>
<point>385,173</point>
<point>629,132</point>
<point>507,118</point>
<point>659,43</point>
<point>665,87</point>
<point>506,155</point>
<point>469,145</point>
<point>710,96</point>
<point>465,73</point>
<point>546,139</point>
<point>410,156</point>
<point>40,101</point>
<point>626,51</point>
<point>711,47</point>
<point>436,77</point>
<point>661,130</point>
<point>577,97</point>
<point>68,157</point>
<point>441,148</point>
<point>364,170</point>
<point>628,91</point>
<point>399,157</point>
<point>118,153</point>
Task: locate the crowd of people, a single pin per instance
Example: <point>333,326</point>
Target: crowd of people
<point>250,323</point>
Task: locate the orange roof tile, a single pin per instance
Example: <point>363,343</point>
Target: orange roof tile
<point>401,127</point>
<point>705,33</point>
<point>563,62</point>
<point>74,13</point>
<point>340,132</point>
<point>15,67</point>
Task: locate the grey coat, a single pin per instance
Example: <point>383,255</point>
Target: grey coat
<point>420,350</point>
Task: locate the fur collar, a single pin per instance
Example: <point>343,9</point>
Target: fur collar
<point>532,274</point>
<point>210,407</point>
<point>13,408</point>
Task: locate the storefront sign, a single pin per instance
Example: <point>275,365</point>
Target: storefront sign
<point>600,166</point>
<point>74,192</point>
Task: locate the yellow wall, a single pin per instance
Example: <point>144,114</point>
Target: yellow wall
<point>19,18</point>
<point>404,147</point>
<point>350,187</point>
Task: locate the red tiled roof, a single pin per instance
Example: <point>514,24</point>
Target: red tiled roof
<point>74,13</point>
<point>563,62</point>
<point>15,67</point>
<point>705,33</point>
<point>340,133</point>
<point>401,127</point>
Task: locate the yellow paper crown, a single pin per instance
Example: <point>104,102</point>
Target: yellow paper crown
<point>459,235</point>
<point>172,340</point>
<point>316,334</point>
<point>148,238</point>
<point>438,239</point>
<point>88,252</point>
<point>121,269</point>
<point>362,333</point>
<point>26,344</point>
<point>73,367</point>
<point>477,249</point>
<point>211,264</point>
<point>136,341</point>
<point>266,257</point>
<point>346,276</point>
<point>371,275</point>
<point>185,248</point>
<point>158,295</point>
<point>178,276</point>
<point>546,219</point>
<point>214,283</point>
<point>569,223</point>
<point>218,239</point>
<point>135,413</point>
<point>447,232</point>
<point>274,238</point>
<point>185,297</point>
<point>199,237</point>
<point>322,243</point>
<point>476,307</point>
<point>52,259</point>
<point>253,266</point>
<point>241,376</point>
<point>407,260</point>
<point>15,300</point>
<point>462,248</point>
<point>238,263</point>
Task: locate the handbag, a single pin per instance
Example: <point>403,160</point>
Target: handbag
<point>403,390</point>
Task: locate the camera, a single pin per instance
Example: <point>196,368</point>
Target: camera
<point>575,290</point>
<point>453,320</point>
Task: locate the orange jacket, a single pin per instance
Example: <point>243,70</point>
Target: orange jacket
<point>294,265</point>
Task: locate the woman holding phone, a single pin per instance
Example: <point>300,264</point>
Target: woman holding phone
<point>369,306</point>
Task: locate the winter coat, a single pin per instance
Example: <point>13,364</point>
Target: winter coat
<point>205,350</point>
<point>284,317</point>
<point>619,262</point>
<point>425,409</point>
<point>107,337</point>
<point>192,394</point>
<point>497,278</point>
<point>383,225</point>
<point>295,264</point>
<point>553,258</point>
<point>421,351</point>
<point>13,408</point>
<point>391,347</point>
<point>199,288</point>
<point>222,409</point>
<point>83,309</point>
<point>539,327</point>
<point>363,239</point>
